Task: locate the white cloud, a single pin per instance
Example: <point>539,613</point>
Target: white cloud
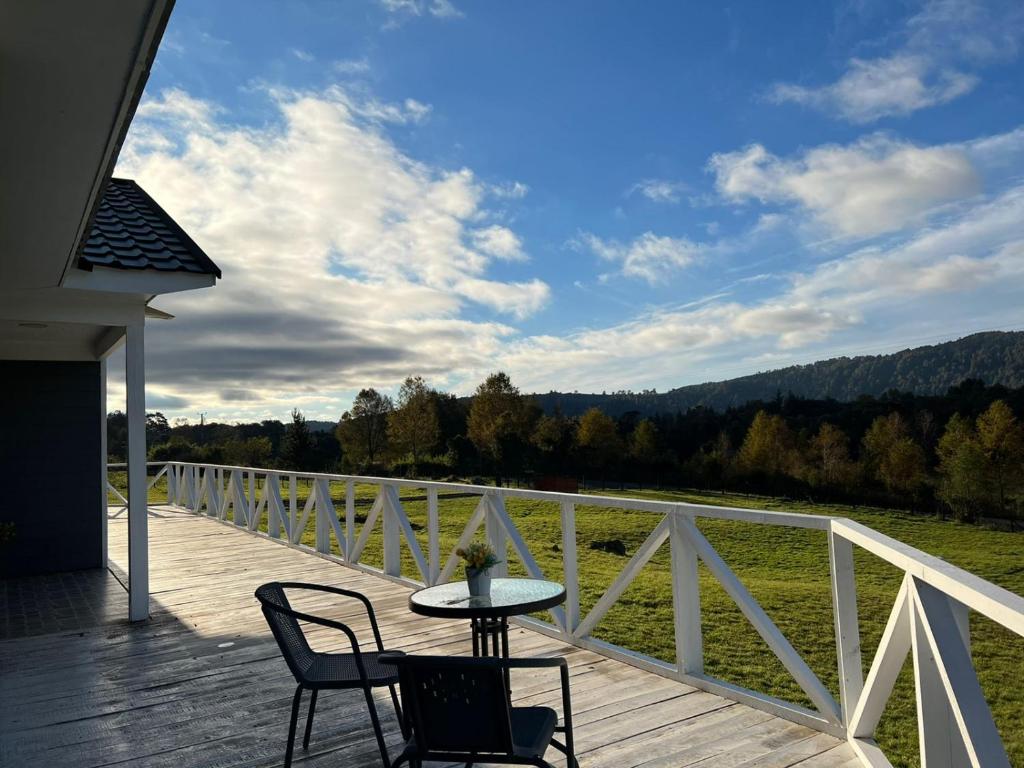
<point>513,190</point>
<point>940,46</point>
<point>873,186</point>
<point>302,55</point>
<point>346,263</point>
<point>351,66</point>
<point>658,190</point>
<point>499,242</point>
<point>872,89</point>
<point>441,9</point>
<point>648,256</point>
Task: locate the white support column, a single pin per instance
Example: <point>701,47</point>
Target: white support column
<point>498,540</point>
<point>685,600</point>
<point>103,463</point>
<point>847,626</point>
<point>392,534</point>
<point>433,537</point>
<point>569,567</point>
<point>138,533</point>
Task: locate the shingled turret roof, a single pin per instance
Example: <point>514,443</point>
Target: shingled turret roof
<point>130,231</point>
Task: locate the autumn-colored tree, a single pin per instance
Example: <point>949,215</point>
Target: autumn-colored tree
<point>597,439</point>
<point>892,456</point>
<point>767,446</point>
<point>1001,440</point>
<point>499,420</point>
<point>362,431</point>
<point>643,443</point>
<point>413,426</point>
<point>830,455</point>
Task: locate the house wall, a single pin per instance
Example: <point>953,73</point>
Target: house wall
<point>50,453</point>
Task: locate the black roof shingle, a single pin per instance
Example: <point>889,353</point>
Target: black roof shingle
<point>130,231</point>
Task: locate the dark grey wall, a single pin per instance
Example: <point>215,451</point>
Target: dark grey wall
<point>50,455</point>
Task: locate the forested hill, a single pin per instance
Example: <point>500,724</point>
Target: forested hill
<point>995,357</point>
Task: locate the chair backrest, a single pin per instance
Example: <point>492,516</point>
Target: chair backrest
<point>456,705</point>
<point>289,635</point>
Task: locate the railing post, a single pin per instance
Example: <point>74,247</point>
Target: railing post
<point>569,567</point>
<point>172,483</point>
<point>685,599</point>
<point>392,536</point>
<point>350,518</point>
<point>323,525</point>
<point>496,537</point>
<point>272,493</point>
<point>293,509</point>
<point>847,628</point>
<point>251,500</point>
<point>239,506</point>
<point>939,736</point>
<point>433,537</point>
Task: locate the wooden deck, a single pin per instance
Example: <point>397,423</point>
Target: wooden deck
<point>202,684</point>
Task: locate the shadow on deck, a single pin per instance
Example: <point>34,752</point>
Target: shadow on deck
<point>202,684</point>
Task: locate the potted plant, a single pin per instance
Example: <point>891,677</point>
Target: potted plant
<point>480,558</point>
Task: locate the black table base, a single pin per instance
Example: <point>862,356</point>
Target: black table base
<point>494,631</point>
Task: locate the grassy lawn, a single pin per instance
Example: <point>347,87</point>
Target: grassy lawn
<point>785,569</point>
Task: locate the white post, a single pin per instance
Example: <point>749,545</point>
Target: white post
<point>392,534</point>
<point>495,533</point>
<point>685,600</point>
<point>433,537</point>
<point>138,534</point>
<point>103,462</point>
<point>847,628</point>
<point>569,568</point>
<point>350,518</point>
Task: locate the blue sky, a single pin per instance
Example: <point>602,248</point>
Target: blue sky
<point>592,196</point>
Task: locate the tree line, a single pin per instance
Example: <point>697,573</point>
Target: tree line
<point>960,453</point>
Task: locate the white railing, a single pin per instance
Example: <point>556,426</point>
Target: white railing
<point>928,620</point>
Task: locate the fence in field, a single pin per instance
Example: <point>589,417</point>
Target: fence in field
<point>929,619</point>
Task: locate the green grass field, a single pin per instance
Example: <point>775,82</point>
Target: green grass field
<point>787,572</point>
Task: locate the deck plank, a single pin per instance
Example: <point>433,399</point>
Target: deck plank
<point>202,683</point>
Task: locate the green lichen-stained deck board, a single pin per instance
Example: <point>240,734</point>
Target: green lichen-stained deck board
<point>202,684</point>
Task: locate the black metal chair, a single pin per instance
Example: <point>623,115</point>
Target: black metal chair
<point>459,710</point>
<point>314,670</point>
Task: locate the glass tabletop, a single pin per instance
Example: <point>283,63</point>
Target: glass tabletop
<point>508,597</point>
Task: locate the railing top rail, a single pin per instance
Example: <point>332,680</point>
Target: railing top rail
<point>763,517</point>
<point>999,604</point>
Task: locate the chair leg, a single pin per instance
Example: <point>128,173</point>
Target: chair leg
<point>398,711</point>
<point>376,727</point>
<point>296,700</point>
<point>309,719</point>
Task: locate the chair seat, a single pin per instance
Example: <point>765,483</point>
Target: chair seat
<point>532,730</point>
<point>339,670</point>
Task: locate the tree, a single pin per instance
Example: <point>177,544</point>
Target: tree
<point>553,437</point>
<point>598,439</point>
<point>499,421</point>
<point>643,443</point>
<point>830,450</point>
<point>413,427</point>
<point>250,452</point>
<point>767,445</point>
<point>892,456</point>
<point>1001,440</point>
<point>157,429</point>
<point>963,485</point>
<point>363,431</point>
<point>297,445</point>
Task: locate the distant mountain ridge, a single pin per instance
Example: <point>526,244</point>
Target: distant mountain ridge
<point>995,357</point>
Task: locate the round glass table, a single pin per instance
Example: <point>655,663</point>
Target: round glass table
<point>488,614</point>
